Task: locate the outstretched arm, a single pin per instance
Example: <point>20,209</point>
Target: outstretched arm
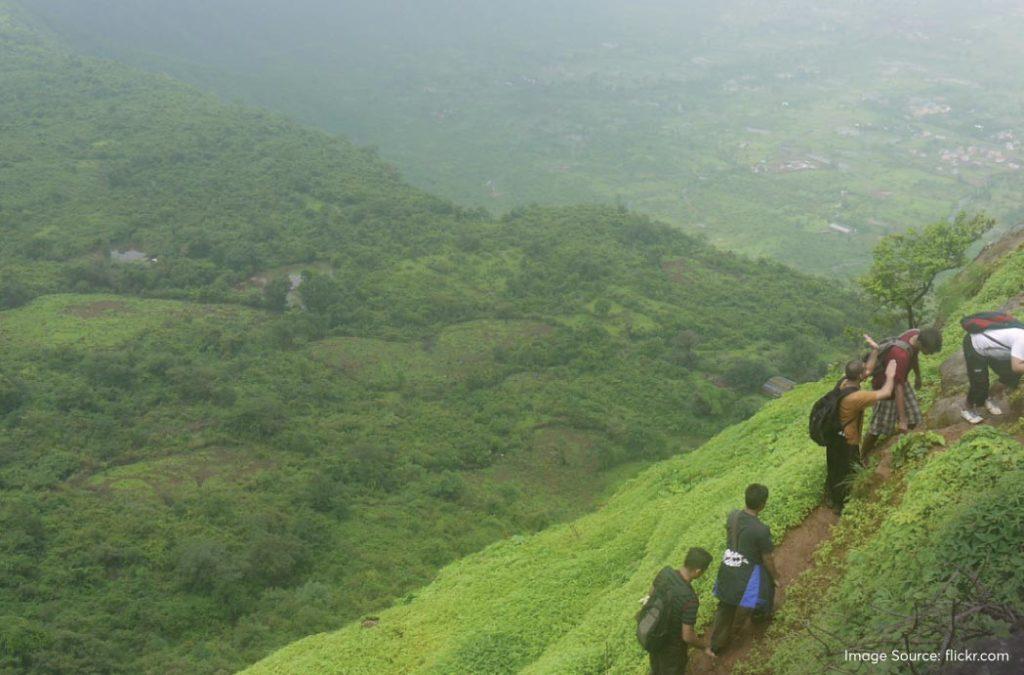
<point>869,365</point>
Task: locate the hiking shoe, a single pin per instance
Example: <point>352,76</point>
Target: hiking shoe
<point>992,407</point>
<point>971,416</point>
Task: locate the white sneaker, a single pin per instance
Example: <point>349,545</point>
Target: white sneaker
<point>971,416</point>
<point>992,407</point>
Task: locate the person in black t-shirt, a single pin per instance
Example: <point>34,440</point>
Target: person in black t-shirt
<point>746,577</point>
<point>682,604</point>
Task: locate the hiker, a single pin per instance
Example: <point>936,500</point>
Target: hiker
<point>746,577</point>
<point>994,340</point>
<point>843,450</point>
<point>901,412</point>
<point>668,633</point>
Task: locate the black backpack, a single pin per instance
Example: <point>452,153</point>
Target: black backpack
<point>652,621</point>
<point>824,425</point>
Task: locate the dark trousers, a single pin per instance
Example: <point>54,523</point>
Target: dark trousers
<point>977,373</point>
<point>840,458</point>
<point>725,620</point>
<point>671,660</point>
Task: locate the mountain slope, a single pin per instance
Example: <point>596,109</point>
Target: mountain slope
<point>201,464</point>
<point>562,600</point>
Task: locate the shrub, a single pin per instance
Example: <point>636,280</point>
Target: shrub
<point>747,374</point>
<point>13,393</point>
<point>204,565</point>
<point>259,416</point>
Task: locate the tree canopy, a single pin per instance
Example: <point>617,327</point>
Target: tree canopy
<point>907,264</point>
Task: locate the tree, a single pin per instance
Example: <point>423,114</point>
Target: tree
<point>905,265</point>
<point>203,564</point>
<point>747,374</point>
<point>13,393</point>
<point>13,293</point>
<point>262,416</point>
<point>275,293</point>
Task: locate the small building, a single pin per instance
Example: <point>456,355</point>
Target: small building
<point>777,386</point>
<point>842,229</point>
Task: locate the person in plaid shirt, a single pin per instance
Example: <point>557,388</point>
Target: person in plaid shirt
<point>902,412</point>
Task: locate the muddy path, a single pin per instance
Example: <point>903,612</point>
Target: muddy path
<point>792,556</point>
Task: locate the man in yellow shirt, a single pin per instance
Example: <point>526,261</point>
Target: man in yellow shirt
<point>845,451</point>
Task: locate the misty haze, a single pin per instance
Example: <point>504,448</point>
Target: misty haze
<point>419,335</point>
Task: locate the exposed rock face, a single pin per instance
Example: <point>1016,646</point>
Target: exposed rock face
<point>945,412</point>
<point>1008,243</point>
<point>954,373</point>
<point>1014,305</point>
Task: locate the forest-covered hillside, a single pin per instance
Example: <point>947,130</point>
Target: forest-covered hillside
<point>759,123</point>
<point>253,386</point>
<point>925,557</point>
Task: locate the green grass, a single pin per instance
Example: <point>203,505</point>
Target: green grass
<point>456,354</point>
<point>562,601</point>
<point>101,321</point>
<point>960,516</point>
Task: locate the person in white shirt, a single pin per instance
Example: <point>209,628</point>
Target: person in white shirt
<point>1002,350</point>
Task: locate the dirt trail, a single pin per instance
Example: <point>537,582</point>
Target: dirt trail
<point>794,555</point>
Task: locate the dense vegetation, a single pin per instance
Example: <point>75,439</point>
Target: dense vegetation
<point>952,540</point>
<point>200,463</point>
<point>758,123</point>
<point>944,532</point>
<point>563,600</point>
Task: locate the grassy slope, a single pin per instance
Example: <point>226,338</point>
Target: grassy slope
<point>960,514</point>
<point>561,601</point>
<point>961,508</point>
<point>192,480</point>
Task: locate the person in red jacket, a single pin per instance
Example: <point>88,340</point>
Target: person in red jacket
<point>902,412</point>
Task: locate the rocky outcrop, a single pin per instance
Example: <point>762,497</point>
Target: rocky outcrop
<point>944,413</point>
<point>1008,243</point>
<point>1014,305</point>
<point>954,373</point>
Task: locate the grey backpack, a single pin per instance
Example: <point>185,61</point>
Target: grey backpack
<point>652,620</point>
